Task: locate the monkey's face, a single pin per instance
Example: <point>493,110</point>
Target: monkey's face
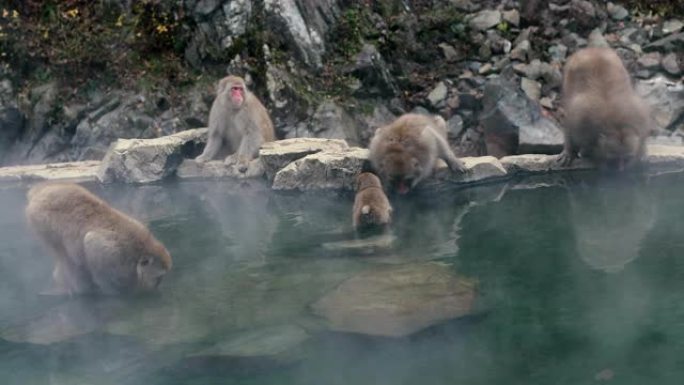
<point>150,270</point>
<point>618,151</point>
<point>401,172</point>
<point>236,94</point>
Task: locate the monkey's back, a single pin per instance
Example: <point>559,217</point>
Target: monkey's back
<point>371,208</point>
<point>410,133</point>
<point>64,212</point>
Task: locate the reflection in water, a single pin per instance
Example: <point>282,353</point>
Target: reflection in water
<point>611,220</point>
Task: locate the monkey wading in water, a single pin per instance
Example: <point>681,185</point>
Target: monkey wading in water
<point>97,248</point>
<point>604,119</point>
<point>405,151</point>
<point>371,206</point>
<point>238,124</point>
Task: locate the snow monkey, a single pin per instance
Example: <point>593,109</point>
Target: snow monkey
<point>604,119</point>
<point>97,248</point>
<point>238,124</point>
<point>371,206</point>
<point>405,152</point>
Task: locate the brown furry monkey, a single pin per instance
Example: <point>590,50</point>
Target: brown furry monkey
<point>405,152</point>
<point>371,206</point>
<point>604,119</point>
<point>97,248</point>
<point>238,124</point>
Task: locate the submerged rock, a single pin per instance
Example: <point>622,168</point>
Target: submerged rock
<point>268,347</point>
<point>323,170</point>
<point>278,154</point>
<point>147,160</point>
<point>397,301</point>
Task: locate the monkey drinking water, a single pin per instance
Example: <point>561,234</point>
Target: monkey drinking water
<point>97,249</point>
<point>371,206</point>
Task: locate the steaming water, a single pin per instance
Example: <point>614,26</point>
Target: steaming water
<point>578,283</point>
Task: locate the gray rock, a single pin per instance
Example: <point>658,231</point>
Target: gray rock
<point>478,169</point>
<point>205,7</point>
<point>512,17</point>
<point>331,121</point>
<point>374,73</point>
<point>596,39</point>
<point>278,154</point>
<point>531,88</point>
<point>668,140</point>
<point>438,94</point>
<point>238,13</point>
<point>650,61</point>
<point>617,12</point>
<point>74,172</point>
<point>217,169</point>
<point>667,44</point>
<point>583,9</point>
<point>485,20</point>
<point>671,65</point>
<point>454,126</point>
<point>672,26</point>
<point>397,301</point>
<point>287,18</point>
<point>449,52</point>
<point>521,51</point>
<point>323,170</point>
<point>538,163</point>
<point>558,53</point>
<point>515,123</point>
<point>256,349</point>
<point>666,99</point>
<point>665,156</point>
<point>147,160</point>
<point>11,126</point>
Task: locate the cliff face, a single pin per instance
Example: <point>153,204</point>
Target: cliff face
<point>75,75</point>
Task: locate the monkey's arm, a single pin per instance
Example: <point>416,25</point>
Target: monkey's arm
<point>212,147</point>
<point>108,262</point>
<point>444,152</point>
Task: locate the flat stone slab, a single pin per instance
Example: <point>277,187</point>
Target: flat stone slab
<point>270,346</point>
<point>397,301</point>
<point>321,171</point>
<point>74,171</point>
<point>215,169</point>
<point>278,154</point>
<point>479,169</point>
<point>146,160</point>
<point>665,156</point>
<point>539,163</point>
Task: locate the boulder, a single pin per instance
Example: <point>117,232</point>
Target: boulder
<point>148,160</point>
<point>666,99</point>
<point>74,172</point>
<point>276,155</point>
<point>323,170</point>
<point>397,301</point>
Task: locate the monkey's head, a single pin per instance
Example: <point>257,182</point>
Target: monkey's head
<point>233,90</point>
<point>152,266</point>
<point>400,171</point>
<point>619,150</point>
<point>366,180</point>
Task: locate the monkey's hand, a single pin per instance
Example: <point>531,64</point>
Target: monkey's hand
<point>457,165</point>
<point>565,158</point>
<point>202,159</point>
<point>230,160</point>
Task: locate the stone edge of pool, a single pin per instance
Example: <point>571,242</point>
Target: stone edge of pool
<point>298,164</point>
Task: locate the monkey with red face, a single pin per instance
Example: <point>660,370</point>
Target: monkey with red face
<point>238,124</point>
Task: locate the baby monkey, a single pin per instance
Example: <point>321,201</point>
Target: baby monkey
<point>97,248</point>
<point>238,124</point>
<point>405,151</point>
<point>604,119</point>
<point>371,206</point>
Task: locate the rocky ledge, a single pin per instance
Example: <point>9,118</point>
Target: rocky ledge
<point>300,164</point>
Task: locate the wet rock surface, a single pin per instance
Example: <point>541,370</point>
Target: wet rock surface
<point>397,301</point>
<point>278,154</point>
<point>323,170</point>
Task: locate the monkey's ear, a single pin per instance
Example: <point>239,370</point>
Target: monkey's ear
<point>221,85</point>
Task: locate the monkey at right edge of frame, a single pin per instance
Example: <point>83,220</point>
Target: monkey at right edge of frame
<point>238,124</point>
<point>372,209</point>
<point>604,119</point>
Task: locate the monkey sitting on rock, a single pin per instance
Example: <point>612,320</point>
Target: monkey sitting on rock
<point>405,152</point>
<point>97,248</point>
<point>604,119</point>
<point>372,209</point>
<point>238,124</point>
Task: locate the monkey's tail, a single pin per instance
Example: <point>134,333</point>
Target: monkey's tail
<point>367,215</point>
